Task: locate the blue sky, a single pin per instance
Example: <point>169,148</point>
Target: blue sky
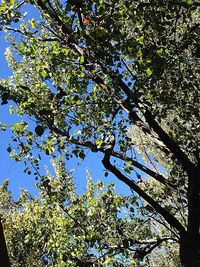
<point>14,170</point>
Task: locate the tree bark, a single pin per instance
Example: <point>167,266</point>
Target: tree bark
<point>190,241</point>
<point>190,251</point>
<point>4,258</point>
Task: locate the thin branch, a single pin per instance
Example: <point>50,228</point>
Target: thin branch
<point>147,155</point>
<point>140,254</point>
<point>75,221</point>
<point>20,4</point>
<point>146,170</point>
<point>127,67</point>
<point>53,15</point>
<point>7,28</point>
<point>166,226</point>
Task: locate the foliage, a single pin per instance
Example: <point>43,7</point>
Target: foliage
<point>87,71</point>
<point>62,228</point>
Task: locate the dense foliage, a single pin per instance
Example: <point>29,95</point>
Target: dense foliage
<point>61,228</point>
<point>116,77</point>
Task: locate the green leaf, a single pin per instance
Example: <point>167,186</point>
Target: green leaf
<point>9,149</point>
<point>11,109</point>
<point>106,174</point>
<point>39,130</point>
<point>149,72</point>
<point>81,59</point>
<point>82,155</point>
<point>4,98</point>
<point>141,40</point>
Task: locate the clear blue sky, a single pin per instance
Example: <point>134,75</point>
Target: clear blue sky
<point>14,171</point>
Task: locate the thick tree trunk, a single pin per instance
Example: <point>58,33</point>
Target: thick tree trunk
<point>190,242</point>
<point>4,259</point>
<point>190,251</point>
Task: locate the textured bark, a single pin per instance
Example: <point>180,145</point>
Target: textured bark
<point>4,259</point>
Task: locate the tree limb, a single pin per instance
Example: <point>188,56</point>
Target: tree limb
<point>4,258</point>
<point>118,155</point>
<point>173,222</point>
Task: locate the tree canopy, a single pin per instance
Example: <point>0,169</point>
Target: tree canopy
<point>62,228</point>
<point>119,78</point>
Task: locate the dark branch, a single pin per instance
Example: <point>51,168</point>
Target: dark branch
<point>146,170</point>
<point>173,222</point>
<point>4,258</point>
<point>118,155</point>
<point>173,147</point>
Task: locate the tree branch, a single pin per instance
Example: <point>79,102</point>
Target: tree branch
<point>156,176</point>
<point>4,258</point>
<point>118,155</point>
<point>140,254</point>
<point>173,222</point>
<point>173,147</point>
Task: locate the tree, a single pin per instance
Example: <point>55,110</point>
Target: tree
<point>62,228</point>
<point>89,70</point>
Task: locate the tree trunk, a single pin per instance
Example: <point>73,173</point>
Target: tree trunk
<point>190,242</point>
<point>190,251</point>
<point>4,259</point>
